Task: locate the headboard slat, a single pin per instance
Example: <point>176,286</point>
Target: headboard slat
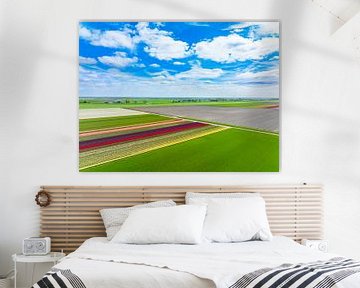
<point>73,216</point>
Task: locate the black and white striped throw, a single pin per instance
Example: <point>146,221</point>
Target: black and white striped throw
<point>320,274</point>
<point>59,278</point>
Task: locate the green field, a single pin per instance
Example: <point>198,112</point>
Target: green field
<point>231,150</point>
<point>144,102</point>
<point>119,121</point>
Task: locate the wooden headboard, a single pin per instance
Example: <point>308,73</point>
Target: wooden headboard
<point>73,215</point>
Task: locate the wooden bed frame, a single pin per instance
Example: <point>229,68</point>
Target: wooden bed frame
<point>73,215</point>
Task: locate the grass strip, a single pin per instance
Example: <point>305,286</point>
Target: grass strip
<point>119,121</point>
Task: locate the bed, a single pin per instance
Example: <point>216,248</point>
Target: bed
<point>99,263</point>
<point>294,211</point>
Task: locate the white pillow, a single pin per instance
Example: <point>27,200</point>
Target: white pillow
<point>236,220</point>
<point>204,198</point>
<point>173,225</point>
<point>113,218</point>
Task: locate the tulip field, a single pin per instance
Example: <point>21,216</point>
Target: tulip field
<point>151,142</point>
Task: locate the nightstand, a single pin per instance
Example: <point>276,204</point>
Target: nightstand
<point>320,245</point>
<point>52,257</point>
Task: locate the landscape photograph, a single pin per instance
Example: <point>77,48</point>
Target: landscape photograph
<point>179,97</point>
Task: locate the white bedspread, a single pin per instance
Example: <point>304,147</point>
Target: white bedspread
<point>102,264</point>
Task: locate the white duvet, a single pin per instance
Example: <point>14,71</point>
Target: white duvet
<point>100,263</point>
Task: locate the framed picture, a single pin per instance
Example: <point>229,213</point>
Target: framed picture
<point>179,96</point>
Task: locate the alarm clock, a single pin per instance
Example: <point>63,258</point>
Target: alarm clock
<point>320,245</point>
<point>36,246</point>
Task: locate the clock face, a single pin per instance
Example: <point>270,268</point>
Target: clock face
<point>40,245</point>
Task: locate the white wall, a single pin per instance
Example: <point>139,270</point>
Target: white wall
<point>320,131</point>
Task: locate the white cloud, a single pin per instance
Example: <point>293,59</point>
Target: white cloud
<point>199,24</point>
<point>197,72</point>
<point>110,38</point>
<point>162,75</point>
<point>160,44</point>
<point>87,60</point>
<point>112,82</point>
<point>96,81</point>
<point>120,59</point>
<point>85,33</point>
<point>260,28</point>
<point>240,26</point>
<point>159,24</point>
<point>268,75</point>
<point>232,48</point>
<point>178,63</point>
<point>266,28</point>
<point>155,65</point>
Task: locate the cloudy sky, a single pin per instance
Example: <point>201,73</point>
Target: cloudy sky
<point>179,59</point>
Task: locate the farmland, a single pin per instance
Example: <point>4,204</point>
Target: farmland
<point>103,102</point>
<point>106,112</point>
<point>109,122</point>
<point>142,141</point>
<point>259,118</point>
<point>226,150</point>
<point>103,140</point>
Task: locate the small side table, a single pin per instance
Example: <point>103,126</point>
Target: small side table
<point>53,257</point>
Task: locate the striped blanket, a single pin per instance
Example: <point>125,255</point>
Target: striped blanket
<point>319,274</point>
<point>59,278</point>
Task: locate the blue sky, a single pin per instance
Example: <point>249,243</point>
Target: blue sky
<point>179,59</point>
